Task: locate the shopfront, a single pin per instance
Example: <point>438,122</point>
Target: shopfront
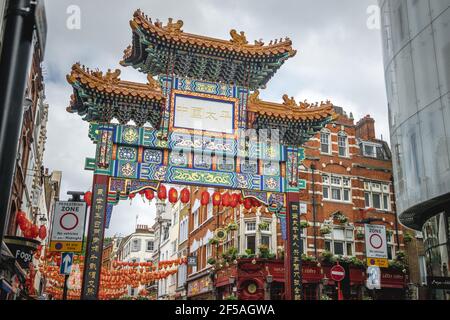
<point>436,233</point>
<point>200,288</point>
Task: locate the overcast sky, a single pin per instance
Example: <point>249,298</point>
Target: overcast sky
<point>338,58</point>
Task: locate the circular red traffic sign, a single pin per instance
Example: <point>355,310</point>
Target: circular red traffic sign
<point>337,273</point>
<point>68,221</point>
<point>376,241</point>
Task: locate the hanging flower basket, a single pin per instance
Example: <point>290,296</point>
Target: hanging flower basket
<point>407,237</point>
<point>325,230</point>
<point>213,241</point>
<point>232,226</point>
<point>211,261</point>
<point>263,226</point>
<point>304,224</point>
<point>359,235</point>
<point>340,218</point>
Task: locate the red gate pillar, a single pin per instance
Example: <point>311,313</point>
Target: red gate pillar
<point>94,242</point>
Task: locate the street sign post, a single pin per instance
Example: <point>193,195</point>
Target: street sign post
<point>66,263</point>
<point>337,274</point>
<point>68,226</point>
<point>373,277</point>
<point>376,247</point>
<point>192,261</point>
<point>65,268</point>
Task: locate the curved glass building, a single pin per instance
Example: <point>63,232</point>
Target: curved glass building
<point>416,45</point>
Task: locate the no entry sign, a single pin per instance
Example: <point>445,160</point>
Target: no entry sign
<point>68,226</point>
<point>337,273</point>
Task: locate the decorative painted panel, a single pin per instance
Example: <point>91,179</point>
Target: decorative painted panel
<point>127,153</point>
<point>152,156</point>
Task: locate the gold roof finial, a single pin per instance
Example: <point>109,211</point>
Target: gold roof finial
<point>239,39</point>
<point>289,102</point>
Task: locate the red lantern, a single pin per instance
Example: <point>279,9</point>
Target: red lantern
<point>216,198</point>
<point>25,225</point>
<point>235,197</point>
<point>34,231</point>
<point>42,232</point>
<point>226,199</point>
<point>241,198</point>
<point>173,195</point>
<point>247,203</point>
<point>88,198</point>
<point>21,216</point>
<point>149,194</point>
<point>256,203</point>
<point>185,195</point>
<point>132,195</point>
<point>162,192</point>
<point>204,198</point>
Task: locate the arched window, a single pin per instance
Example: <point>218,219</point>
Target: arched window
<point>342,144</point>
<point>325,141</point>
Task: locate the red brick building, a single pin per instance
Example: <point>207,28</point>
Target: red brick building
<point>349,179</point>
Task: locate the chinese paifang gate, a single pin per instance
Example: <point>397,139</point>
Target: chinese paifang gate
<point>201,94</point>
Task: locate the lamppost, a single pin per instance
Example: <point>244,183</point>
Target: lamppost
<point>160,208</point>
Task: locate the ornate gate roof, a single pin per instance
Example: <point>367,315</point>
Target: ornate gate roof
<point>101,97</point>
<point>167,49</point>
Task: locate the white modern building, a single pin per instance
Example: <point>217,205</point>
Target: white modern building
<point>137,247</point>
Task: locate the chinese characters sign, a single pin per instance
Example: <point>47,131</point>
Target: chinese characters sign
<point>95,241</point>
<point>199,113</point>
<point>296,250</point>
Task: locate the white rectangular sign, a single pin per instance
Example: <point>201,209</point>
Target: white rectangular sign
<point>376,246</point>
<point>203,114</point>
<point>68,226</point>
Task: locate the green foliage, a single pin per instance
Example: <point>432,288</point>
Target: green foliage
<point>231,297</point>
<point>232,226</point>
<point>400,262</point>
<point>328,257</point>
<point>304,224</point>
<point>340,217</point>
<point>307,258</point>
<point>407,237</point>
<point>325,297</point>
<point>325,230</point>
<point>213,241</point>
<point>263,225</point>
<point>211,261</point>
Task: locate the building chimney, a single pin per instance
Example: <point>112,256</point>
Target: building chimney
<point>365,128</point>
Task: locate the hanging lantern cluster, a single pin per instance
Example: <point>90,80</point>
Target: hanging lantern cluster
<point>29,229</point>
<point>251,203</point>
<point>114,282</point>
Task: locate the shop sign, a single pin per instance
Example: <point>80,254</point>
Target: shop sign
<point>22,249</point>
<point>439,282</point>
<point>199,286</point>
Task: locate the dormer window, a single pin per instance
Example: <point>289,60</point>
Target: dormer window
<point>372,150</point>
